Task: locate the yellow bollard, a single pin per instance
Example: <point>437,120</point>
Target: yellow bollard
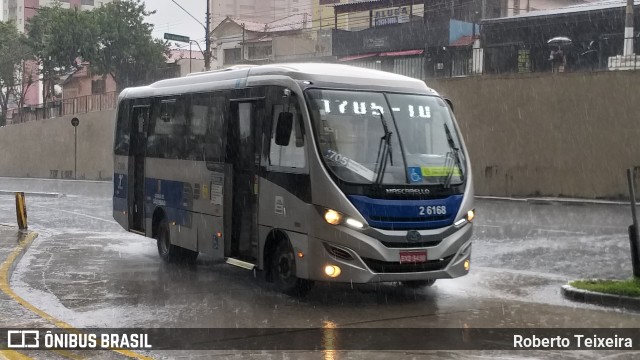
<point>21,211</point>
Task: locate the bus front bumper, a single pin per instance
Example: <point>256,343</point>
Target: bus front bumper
<point>363,259</point>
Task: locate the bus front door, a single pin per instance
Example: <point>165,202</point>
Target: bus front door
<point>243,148</point>
<point>139,123</point>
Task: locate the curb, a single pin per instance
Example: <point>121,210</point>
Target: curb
<point>33,193</point>
<point>545,200</point>
<point>26,239</point>
<point>6,271</point>
<point>590,297</point>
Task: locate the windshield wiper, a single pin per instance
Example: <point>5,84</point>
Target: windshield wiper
<point>384,151</point>
<point>456,157</point>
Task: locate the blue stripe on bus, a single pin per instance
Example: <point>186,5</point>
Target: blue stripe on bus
<point>406,214</point>
<point>120,185</point>
<point>167,194</point>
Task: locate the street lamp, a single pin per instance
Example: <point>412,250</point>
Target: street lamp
<point>207,52</point>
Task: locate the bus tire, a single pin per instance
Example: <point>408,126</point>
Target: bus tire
<point>283,271</point>
<point>167,251</point>
<point>417,284</point>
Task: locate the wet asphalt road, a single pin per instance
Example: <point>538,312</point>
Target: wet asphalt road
<point>87,271</point>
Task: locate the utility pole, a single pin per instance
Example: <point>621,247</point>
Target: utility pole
<point>207,50</point>
<point>628,30</point>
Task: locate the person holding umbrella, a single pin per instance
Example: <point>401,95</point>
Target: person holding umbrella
<point>558,58</point>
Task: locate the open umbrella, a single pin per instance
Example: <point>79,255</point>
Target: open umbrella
<point>559,40</point>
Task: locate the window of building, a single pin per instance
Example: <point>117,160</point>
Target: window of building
<point>98,86</point>
<point>259,52</point>
<point>87,2</point>
<point>232,56</point>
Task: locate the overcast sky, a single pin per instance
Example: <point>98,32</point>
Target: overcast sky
<point>169,18</point>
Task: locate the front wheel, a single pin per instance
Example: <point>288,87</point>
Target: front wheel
<point>167,251</point>
<point>283,271</point>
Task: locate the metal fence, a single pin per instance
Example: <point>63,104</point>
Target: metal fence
<point>58,108</point>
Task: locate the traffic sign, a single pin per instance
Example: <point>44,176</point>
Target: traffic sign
<point>175,37</point>
<point>75,121</point>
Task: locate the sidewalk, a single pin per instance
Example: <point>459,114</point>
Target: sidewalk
<point>13,244</point>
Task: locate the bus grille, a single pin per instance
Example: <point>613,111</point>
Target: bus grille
<point>396,219</point>
<point>401,245</point>
<point>383,267</point>
<point>338,253</point>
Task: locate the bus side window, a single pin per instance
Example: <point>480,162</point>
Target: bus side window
<point>167,139</point>
<point>291,155</point>
<point>206,128</point>
<point>123,128</point>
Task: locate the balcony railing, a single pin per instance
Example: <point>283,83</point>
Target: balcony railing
<point>58,108</point>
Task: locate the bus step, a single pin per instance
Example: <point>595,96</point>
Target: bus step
<point>240,263</point>
<point>138,232</point>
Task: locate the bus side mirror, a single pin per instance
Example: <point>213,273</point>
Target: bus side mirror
<point>283,129</point>
<point>450,103</point>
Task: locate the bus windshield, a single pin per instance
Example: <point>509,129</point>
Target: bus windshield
<point>354,129</point>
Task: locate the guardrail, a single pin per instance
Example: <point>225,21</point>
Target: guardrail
<point>58,108</point>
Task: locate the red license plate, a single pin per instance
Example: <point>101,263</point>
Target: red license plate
<point>413,257</point>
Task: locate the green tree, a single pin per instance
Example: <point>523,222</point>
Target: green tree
<point>125,48</point>
<point>59,36</point>
<point>13,81</point>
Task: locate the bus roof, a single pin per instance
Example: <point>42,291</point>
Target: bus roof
<point>313,72</point>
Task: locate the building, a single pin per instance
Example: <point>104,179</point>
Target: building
<point>588,35</point>
<point>242,41</point>
<point>416,38</point>
<point>257,10</point>
<point>518,7</point>
<point>21,11</point>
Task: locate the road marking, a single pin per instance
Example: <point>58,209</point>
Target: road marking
<point>13,355</point>
<point>5,288</point>
<point>76,213</point>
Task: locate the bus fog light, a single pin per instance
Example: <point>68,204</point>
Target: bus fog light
<point>467,264</point>
<point>354,223</point>
<point>332,217</point>
<point>332,270</point>
<point>471,214</point>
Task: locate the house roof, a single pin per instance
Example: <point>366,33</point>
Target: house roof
<point>289,23</point>
<point>177,54</point>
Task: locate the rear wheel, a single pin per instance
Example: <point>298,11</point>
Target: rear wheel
<point>417,284</point>
<point>283,271</point>
<point>167,251</point>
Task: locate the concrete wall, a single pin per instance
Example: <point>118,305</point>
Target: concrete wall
<point>33,149</point>
<point>544,134</point>
<point>571,134</point>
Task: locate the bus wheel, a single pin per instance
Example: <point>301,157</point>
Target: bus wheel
<point>416,284</point>
<point>283,271</point>
<point>166,250</point>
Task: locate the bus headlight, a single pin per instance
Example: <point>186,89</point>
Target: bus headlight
<point>336,218</point>
<point>354,223</point>
<point>332,217</point>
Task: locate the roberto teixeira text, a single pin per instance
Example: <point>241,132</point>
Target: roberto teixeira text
<point>574,341</point>
<point>35,339</point>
